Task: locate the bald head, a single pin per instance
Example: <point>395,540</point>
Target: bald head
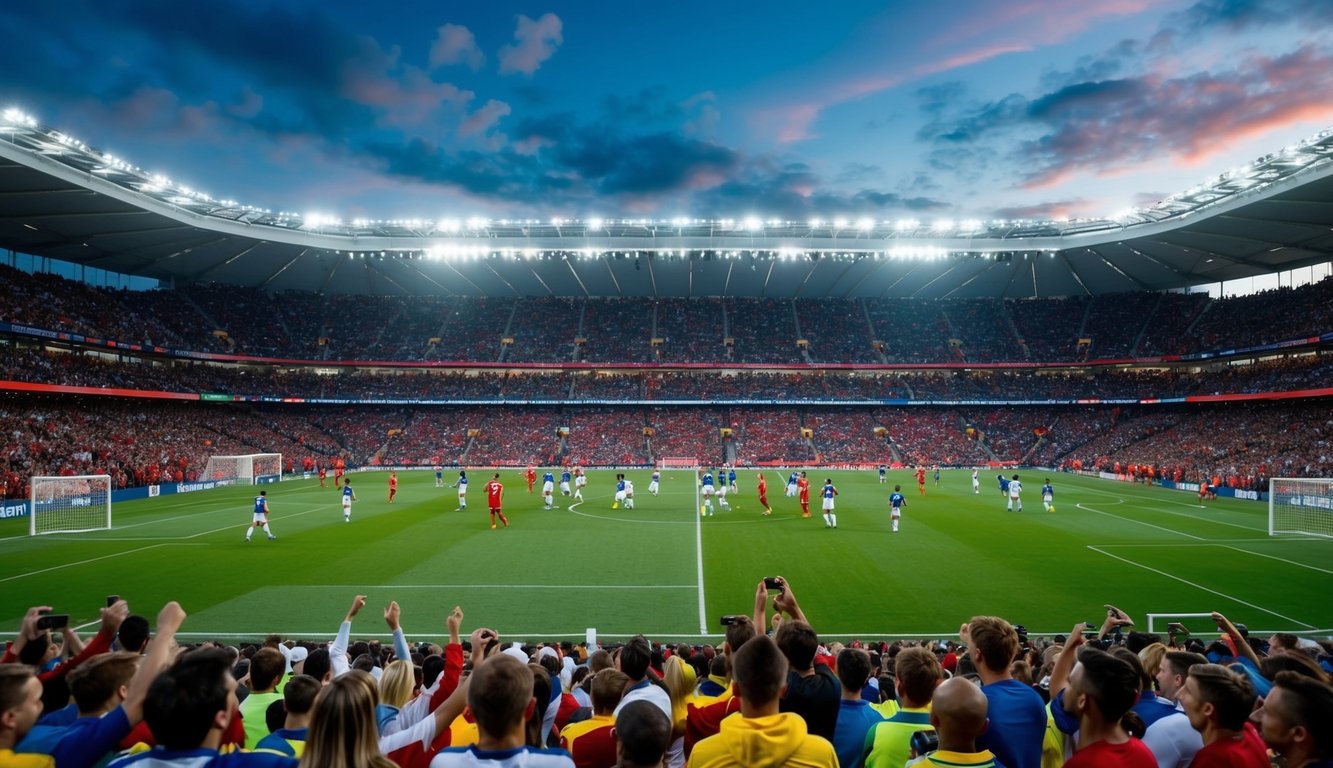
<point>958,712</point>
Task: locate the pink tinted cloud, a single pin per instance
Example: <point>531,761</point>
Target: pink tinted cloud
<point>1185,120</point>
<point>534,43</point>
<point>483,119</point>
<point>794,121</point>
<point>1035,21</point>
<point>455,44</point>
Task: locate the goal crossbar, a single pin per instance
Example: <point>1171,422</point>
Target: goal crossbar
<point>69,504</point>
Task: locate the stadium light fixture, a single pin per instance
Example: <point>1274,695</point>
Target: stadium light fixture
<point>816,223</point>
<point>595,223</point>
<point>753,224</point>
<point>865,225</point>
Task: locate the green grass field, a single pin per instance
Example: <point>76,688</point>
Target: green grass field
<point>662,571</point>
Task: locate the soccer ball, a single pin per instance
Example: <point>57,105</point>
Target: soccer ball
<point>1051,508</point>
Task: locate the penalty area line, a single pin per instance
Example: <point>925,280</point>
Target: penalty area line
<point>1199,586</point>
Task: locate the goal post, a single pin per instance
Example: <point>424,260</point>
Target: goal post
<point>74,504</point>
<point>245,469</point>
<point>1300,506</point>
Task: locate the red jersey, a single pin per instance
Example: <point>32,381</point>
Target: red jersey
<point>493,492</point>
<point>803,489</point>
<point>763,486</point>
<point>322,472</point>
<point>393,482</point>
<point>921,477</point>
<point>531,474</point>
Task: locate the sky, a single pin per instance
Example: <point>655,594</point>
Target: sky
<point>981,109</point>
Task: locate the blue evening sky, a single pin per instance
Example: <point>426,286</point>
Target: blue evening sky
<point>552,108</point>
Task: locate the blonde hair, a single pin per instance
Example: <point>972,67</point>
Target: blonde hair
<point>679,678</point>
<point>396,683</point>
<point>343,733</point>
<point>1151,659</point>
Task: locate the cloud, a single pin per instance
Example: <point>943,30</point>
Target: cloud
<point>455,44</point>
<point>483,119</point>
<point>1103,127</point>
<point>534,43</point>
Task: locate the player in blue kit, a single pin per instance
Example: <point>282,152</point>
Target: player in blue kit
<point>896,503</point>
<point>260,519</point>
<point>883,471</point>
<point>1048,496</point>
<point>548,490</point>
<point>791,484</point>
<point>828,492</point>
<point>655,483</point>
<point>461,485</point>
<point>706,490</point>
<point>564,482</point>
<point>348,497</point>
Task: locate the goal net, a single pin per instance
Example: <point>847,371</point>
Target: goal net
<point>70,504</point>
<point>250,469</point>
<point>677,462</point>
<point>1300,506</point>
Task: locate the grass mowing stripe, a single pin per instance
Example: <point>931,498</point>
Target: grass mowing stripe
<point>1275,557</point>
<point>1200,586</point>
<point>1139,522</point>
<point>94,559</point>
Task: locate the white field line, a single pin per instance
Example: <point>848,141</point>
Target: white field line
<point>84,562</point>
<point>1199,586</point>
<point>1150,500</point>
<point>1225,544</point>
<point>1140,522</point>
<point>489,586</point>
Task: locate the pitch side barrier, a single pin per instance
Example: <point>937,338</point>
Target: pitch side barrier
<point>1221,490</point>
<point>104,344</point>
<point>16,508</point>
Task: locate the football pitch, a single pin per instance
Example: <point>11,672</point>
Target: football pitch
<point>661,570</point>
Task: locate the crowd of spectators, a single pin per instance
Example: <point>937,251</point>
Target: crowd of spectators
<point>138,694</point>
<point>307,326</point>
<point>142,442</point>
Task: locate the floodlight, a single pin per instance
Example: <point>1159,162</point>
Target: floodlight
<point>839,223</point>
<point>753,223</point>
<point>816,223</point>
<point>447,225</point>
<point>595,223</point>
<point>476,222</point>
<point>865,225</point>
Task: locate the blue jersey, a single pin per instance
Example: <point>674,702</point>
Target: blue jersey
<point>548,478</point>
<point>261,505</point>
<point>829,491</point>
<point>708,480</point>
<point>937,475</point>
<point>792,480</point>
<point>439,472</point>
<point>657,476</point>
<point>462,482</point>
<point>731,477</point>
<point>620,485</point>
<point>882,470</point>
<point>897,500</point>
<point>1047,490</point>
<point>564,477</point>
<point>1004,483</point>
<point>347,491</point>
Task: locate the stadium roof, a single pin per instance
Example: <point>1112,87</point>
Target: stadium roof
<point>67,201</point>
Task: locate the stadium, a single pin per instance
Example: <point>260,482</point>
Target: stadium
<point>169,355</point>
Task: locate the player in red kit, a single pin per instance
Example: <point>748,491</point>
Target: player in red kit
<point>323,473</point>
<point>921,480</point>
<point>393,486</point>
<point>339,466</point>
<point>494,492</point>
<point>803,493</point>
<point>763,495</point>
<point>531,476</point>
